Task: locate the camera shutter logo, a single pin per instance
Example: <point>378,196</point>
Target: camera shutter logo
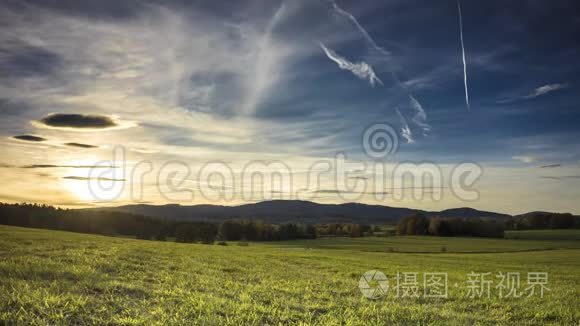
<point>373,284</point>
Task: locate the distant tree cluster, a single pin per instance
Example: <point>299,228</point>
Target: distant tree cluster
<point>541,220</point>
<point>344,229</point>
<point>258,231</point>
<point>143,227</point>
<point>447,227</point>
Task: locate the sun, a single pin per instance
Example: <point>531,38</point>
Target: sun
<point>92,190</point>
<point>92,184</point>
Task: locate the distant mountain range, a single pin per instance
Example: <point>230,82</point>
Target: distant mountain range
<point>281,211</point>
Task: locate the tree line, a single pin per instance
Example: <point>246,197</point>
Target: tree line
<point>126,224</point>
<point>345,229</point>
<point>476,227</point>
<point>447,227</point>
<point>543,220</point>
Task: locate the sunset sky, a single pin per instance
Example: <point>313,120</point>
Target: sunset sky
<point>292,82</point>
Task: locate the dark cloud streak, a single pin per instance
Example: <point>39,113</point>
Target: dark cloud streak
<point>80,121</point>
<point>48,166</point>
<point>561,178</point>
<point>81,145</point>
<point>550,166</point>
<point>31,138</point>
<point>331,191</point>
<point>72,177</point>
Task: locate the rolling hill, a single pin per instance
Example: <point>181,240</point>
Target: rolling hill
<point>280,211</point>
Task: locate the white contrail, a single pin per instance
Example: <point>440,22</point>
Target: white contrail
<point>361,69</point>
<point>463,55</point>
<point>366,35</point>
<point>420,116</point>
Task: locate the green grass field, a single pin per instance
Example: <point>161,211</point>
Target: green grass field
<point>544,234</point>
<point>50,277</point>
<point>424,244</point>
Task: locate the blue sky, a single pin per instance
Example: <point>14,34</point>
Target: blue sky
<point>296,81</point>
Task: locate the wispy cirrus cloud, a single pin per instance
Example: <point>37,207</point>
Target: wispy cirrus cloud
<point>545,89</point>
<point>360,69</point>
<point>153,65</point>
<point>371,42</point>
<point>206,82</point>
<point>270,57</point>
<point>524,158</point>
<point>382,56</point>
<point>420,116</point>
<point>406,132</point>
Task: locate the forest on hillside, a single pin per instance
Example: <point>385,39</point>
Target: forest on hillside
<point>115,223</point>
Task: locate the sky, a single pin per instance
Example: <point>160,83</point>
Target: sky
<point>106,103</point>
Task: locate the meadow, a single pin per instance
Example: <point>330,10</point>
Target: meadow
<point>543,240</point>
<point>54,277</point>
